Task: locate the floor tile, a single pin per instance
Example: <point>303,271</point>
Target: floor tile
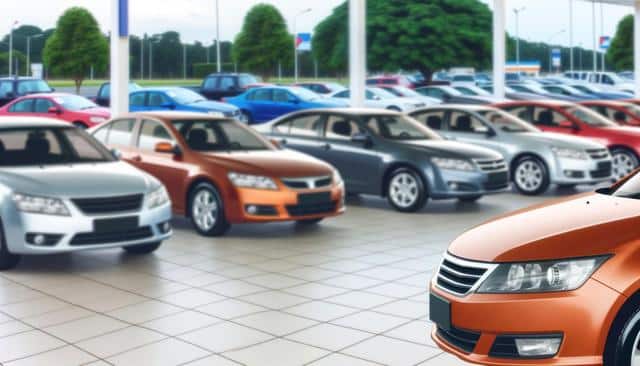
<point>60,316</point>
<point>416,331</point>
<point>404,308</point>
<point>26,344</point>
<point>352,282</point>
<point>234,288</point>
<point>445,360</point>
<point>181,322</point>
<point>392,352</point>
<point>276,323</point>
<point>274,281</point>
<point>169,352</point>
<point>371,322</point>
<point>342,360</point>
<point>277,352</point>
<point>274,299</point>
<point>13,327</point>
<point>315,291</point>
<point>229,309</point>
<point>321,311</point>
<point>144,311</point>
<point>119,341</point>
<point>329,336</point>
<point>67,356</point>
<point>192,298</point>
<point>226,336</point>
<point>359,299</point>
<point>84,328</point>
<point>213,361</point>
<point>33,307</point>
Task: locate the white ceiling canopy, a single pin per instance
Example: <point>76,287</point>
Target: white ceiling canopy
<point>615,2</point>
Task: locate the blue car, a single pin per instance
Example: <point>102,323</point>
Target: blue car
<point>267,103</point>
<point>602,94</point>
<point>178,99</point>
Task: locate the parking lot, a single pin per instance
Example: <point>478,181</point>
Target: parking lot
<point>351,291</point>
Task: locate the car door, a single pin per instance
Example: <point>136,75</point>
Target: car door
<point>159,101</point>
<point>260,104</point>
<point>41,107</point>
<point>104,95</point>
<point>227,86</point>
<point>22,108</point>
<point>466,127</point>
<point>302,133</point>
<point>359,164</point>
<point>118,135</point>
<point>550,120</point>
<point>284,102</point>
<point>137,102</point>
<point>209,88</point>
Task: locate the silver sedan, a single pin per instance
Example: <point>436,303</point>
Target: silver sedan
<point>62,191</point>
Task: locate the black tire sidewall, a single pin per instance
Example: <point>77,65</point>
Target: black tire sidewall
<point>7,259</point>
<point>422,194</point>
<point>221,226</point>
<point>625,151</point>
<point>622,335</point>
<point>546,180</point>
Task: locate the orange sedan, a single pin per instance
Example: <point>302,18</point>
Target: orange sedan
<point>219,172</point>
<point>555,284</point>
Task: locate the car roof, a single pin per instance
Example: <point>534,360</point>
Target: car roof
<point>352,111</point>
<point>228,74</point>
<point>542,102</point>
<point>13,122</point>
<point>49,95</point>
<point>171,115</point>
<point>466,107</point>
<point>159,89</point>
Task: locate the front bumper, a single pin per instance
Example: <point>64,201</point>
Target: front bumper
<point>459,184</point>
<point>69,229</point>
<point>574,171</point>
<point>583,318</point>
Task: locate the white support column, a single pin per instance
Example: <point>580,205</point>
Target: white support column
<point>357,51</point>
<point>636,47</point>
<point>499,47</point>
<point>119,57</point>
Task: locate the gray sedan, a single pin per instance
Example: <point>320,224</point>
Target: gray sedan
<point>388,154</point>
<point>536,159</point>
<point>62,191</point>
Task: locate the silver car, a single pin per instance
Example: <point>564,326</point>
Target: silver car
<point>536,159</point>
<point>62,191</point>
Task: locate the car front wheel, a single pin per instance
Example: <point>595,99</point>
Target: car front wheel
<point>406,190</point>
<point>531,176</point>
<point>7,260</point>
<point>624,162</point>
<point>623,343</point>
<point>207,213</point>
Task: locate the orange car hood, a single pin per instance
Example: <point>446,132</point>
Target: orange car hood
<point>272,163</point>
<point>579,226</point>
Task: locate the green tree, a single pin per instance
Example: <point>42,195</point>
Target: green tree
<point>411,35</point>
<point>76,45</point>
<point>620,54</point>
<point>19,60</point>
<point>263,41</point>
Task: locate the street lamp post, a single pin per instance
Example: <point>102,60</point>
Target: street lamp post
<point>184,61</point>
<point>295,41</point>
<point>11,48</point>
<point>517,12</point>
<point>151,42</point>
<point>571,62</point>
<point>219,64</point>
<point>28,73</point>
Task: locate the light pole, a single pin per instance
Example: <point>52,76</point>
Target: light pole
<point>571,63</point>
<point>184,61</point>
<point>595,48</point>
<point>142,56</point>
<point>28,73</point>
<point>604,67</point>
<point>218,59</point>
<point>517,12</point>
<point>151,42</point>
<point>13,25</point>
<point>295,41</point>
<point>551,48</point>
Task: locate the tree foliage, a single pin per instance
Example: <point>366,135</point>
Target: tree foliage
<point>620,54</point>
<point>76,45</point>
<point>263,41</point>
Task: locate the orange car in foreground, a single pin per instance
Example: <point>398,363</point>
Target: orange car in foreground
<point>219,172</point>
<point>555,284</point>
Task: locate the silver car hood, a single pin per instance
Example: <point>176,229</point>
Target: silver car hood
<point>78,180</point>
<point>563,141</point>
<point>454,149</point>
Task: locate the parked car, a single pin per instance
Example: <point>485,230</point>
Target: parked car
<point>396,80</point>
<point>535,159</point>
<point>509,92</point>
<point>322,88</point>
<point>622,113</point>
<point>62,191</point>
<point>450,95</point>
<point>381,99</point>
<point>539,90</point>
<point>226,85</point>
<point>576,120</point>
<point>554,284</point>
<point>71,108</point>
<point>15,87</point>
<point>569,91</point>
<point>384,153</point>
<point>179,99</point>
<point>404,92</point>
<point>264,104</point>
<point>220,172</point>
<point>599,93</point>
<point>612,81</point>
<point>463,79</point>
<point>103,98</point>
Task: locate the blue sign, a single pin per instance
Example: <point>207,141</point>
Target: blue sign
<point>303,42</point>
<point>556,57</point>
<point>123,18</point>
<point>605,42</point>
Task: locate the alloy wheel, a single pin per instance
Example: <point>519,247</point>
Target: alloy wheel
<point>204,210</point>
<point>635,357</point>
<point>404,190</point>
<point>529,176</point>
<point>623,164</point>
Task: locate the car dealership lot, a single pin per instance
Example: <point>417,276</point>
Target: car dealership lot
<point>351,291</point>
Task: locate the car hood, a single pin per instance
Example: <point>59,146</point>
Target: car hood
<point>561,140</point>
<point>78,180</point>
<point>271,163</point>
<point>453,149</point>
<point>329,103</point>
<point>209,105</point>
<point>578,226</point>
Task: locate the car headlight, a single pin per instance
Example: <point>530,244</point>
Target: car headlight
<point>337,178</point>
<point>536,277</point>
<point>40,205</point>
<point>570,153</point>
<point>157,198</point>
<point>453,164</point>
<point>252,181</point>
<point>96,119</point>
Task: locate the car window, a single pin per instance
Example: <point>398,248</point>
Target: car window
<point>305,126</point>
<point>219,136</point>
<point>102,133</point>
<point>434,92</point>
<point>137,99</point>
<point>521,112</point>
<point>341,128</point>
<point>464,122</point>
<point>105,91</point>
<point>281,96</point>
<point>151,134</point>
<point>227,83</point>
<point>343,94</point>
<point>42,105</point>
<point>210,83</point>
<point>260,95</point>
<point>23,106</point>
<point>246,80</point>
<point>607,80</point>
<point>33,86</point>
<point>432,119</point>
<point>6,87</point>
<point>547,117</point>
<point>398,128</point>
<point>120,133</point>
<point>157,99</point>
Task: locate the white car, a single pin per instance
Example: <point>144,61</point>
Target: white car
<point>404,92</point>
<point>611,81</point>
<point>379,98</point>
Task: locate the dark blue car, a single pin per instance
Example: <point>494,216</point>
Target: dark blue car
<point>267,103</point>
<point>178,99</point>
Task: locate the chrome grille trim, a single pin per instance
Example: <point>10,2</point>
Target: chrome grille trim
<point>491,165</point>
<point>476,273</point>
<point>598,154</point>
<point>308,182</point>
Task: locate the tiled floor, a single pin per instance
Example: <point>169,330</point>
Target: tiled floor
<point>350,292</point>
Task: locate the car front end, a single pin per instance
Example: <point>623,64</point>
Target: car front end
<point>572,166</point>
<point>459,178</point>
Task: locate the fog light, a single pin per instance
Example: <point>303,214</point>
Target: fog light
<point>252,210</point>
<point>39,239</point>
<point>453,186</point>
<point>573,174</point>
<point>166,227</point>
<point>538,347</point>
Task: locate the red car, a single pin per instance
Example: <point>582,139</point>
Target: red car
<point>623,113</point>
<point>577,120</point>
<point>79,111</point>
<point>391,80</point>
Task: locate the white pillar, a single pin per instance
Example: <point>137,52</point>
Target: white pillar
<point>357,51</point>
<point>119,57</point>
<point>595,37</point>
<point>571,48</point>
<point>218,58</point>
<point>499,48</point>
<point>636,47</point>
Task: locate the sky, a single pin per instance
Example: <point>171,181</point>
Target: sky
<point>541,20</point>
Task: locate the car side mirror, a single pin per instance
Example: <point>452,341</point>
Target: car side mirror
<point>167,148</point>
<point>54,110</point>
<point>491,132</point>
<point>276,143</point>
<point>116,154</point>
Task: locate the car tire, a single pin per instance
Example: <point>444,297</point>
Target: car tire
<point>622,341</point>
<point>80,125</point>
<point>245,117</point>
<point>406,190</point>
<point>470,199</point>
<point>310,222</point>
<point>530,176</point>
<point>624,162</point>
<point>206,211</point>
<point>142,249</point>
<point>7,259</point>
<point>394,108</point>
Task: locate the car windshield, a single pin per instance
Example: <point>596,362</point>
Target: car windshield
<point>398,128</point>
<point>41,146</point>
<point>33,86</point>
<point>506,122</point>
<point>381,93</point>
<point>632,108</point>
<point>464,78</point>
<point>588,116</point>
<point>219,136</point>
<point>75,102</point>
<point>629,189</point>
<point>185,96</point>
<point>406,92</point>
<point>335,86</point>
<point>304,94</point>
<point>451,91</point>
<point>472,90</point>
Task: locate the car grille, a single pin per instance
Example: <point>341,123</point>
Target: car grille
<point>597,154</point>
<point>504,347</point>
<point>311,209</point>
<point>307,182</point>
<point>497,181</point>
<point>112,237</point>
<point>109,204</point>
<point>491,165</point>
<point>459,277</point>
<point>604,170</point>
<point>464,340</point>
